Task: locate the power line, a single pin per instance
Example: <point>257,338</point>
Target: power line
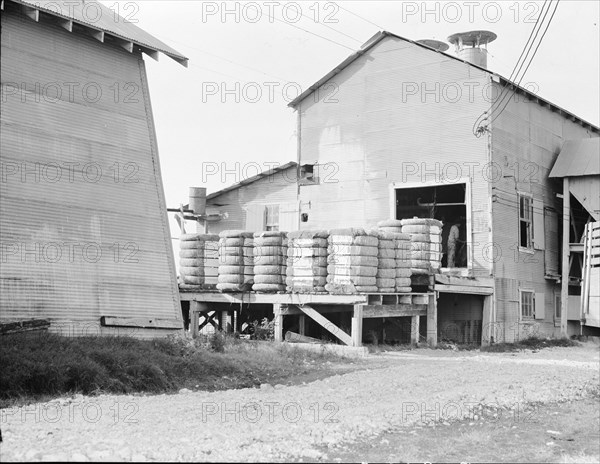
<point>532,57</point>
<point>312,33</point>
<point>334,29</point>
<point>359,16</point>
<point>478,126</point>
<point>227,60</point>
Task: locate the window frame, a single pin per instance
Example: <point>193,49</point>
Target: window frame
<point>274,226</point>
<point>530,242</point>
<point>522,317</point>
<point>467,181</point>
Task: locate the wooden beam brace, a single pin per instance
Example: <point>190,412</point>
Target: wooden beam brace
<point>151,53</point>
<point>399,310</point>
<point>127,45</point>
<point>67,24</point>
<point>141,322</point>
<point>326,324</point>
<point>30,12</point>
<point>98,35</point>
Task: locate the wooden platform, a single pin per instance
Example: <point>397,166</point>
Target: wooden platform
<point>314,305</point>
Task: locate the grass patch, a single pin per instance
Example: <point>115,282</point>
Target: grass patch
<point>531,343</point>
<point>38,366</point>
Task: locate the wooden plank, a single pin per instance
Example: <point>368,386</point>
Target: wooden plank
<point>464,289</point>
<point>326,324</point>
<point>399,310</point>
<point>188,294</point>
<point>24,326</point>
<point>142,322</point>
<point>323,309</point>
<point>414,330</point>
<point>293,337</point>
<point>467,281</point>
<point>432,321</point>
<point>357,325</point>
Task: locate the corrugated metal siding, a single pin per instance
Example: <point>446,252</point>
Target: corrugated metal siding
<point>279,188</point>
<point>363,139</point>
<point>42,215</point>
<point>526,140</point>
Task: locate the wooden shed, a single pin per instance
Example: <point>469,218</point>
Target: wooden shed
<point>85,238</point>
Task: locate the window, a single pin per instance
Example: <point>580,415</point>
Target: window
<point>308,175</point>
<point>525,222</point>
<point>272,217</point>
<point>527,304</point>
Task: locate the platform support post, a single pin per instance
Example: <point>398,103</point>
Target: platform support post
<point>302,324</point>
<point>357,325</point>
<point>432,320</point>
<point>278,322</point>
<point>414,329</point>
<point>195,309</point>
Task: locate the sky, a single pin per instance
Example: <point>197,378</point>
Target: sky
<point>226,115</point>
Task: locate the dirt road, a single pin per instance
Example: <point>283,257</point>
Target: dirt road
<point>388,392</point>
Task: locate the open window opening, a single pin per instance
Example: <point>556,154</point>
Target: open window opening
<point>447,203</point>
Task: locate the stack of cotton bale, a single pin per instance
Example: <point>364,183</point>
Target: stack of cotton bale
<point>197,265</point>
<point>235,268</point>
<point>352,262</point>
<point>426,244</point>
<point>403,262</point>
<point>386,261</point>
<point>270,250</point>
<point>307,261</point>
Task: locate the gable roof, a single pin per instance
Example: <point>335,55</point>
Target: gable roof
<point>381,35</point>
<point>579,157</point>
<point>100,20</point>
<point>249,180</point>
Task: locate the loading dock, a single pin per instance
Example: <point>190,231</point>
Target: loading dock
<point>314,306</point>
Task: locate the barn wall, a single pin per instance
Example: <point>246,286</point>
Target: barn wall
<point>83,216</point>
<point>279,188</point>
<point>526,140</point>
<point>398,114</point>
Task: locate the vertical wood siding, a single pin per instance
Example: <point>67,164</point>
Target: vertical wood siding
<point>526,140</point>
<point>79,243</point>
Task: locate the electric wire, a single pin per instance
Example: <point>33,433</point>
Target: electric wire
<point>532,57</point>
<point>359,16</point>
<point>478,127</point>
<point>525,52</point>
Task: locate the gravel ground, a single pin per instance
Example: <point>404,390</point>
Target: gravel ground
<point>389,391</point>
